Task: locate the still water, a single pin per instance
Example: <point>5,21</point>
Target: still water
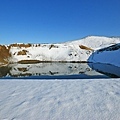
<point>59,71</point>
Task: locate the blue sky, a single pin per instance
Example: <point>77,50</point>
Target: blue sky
<point>52,21</point>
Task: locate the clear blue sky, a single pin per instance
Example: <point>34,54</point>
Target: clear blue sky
<point>52,21</point>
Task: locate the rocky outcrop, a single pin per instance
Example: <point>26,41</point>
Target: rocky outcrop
<point>85,48</point>
<point>20,45</point>
<point>22,52</point>
<point>4,54</point>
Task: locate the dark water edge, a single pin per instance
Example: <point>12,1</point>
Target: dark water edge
<point>107,69</point>
<point>59,77</point>
<point>59,71</point>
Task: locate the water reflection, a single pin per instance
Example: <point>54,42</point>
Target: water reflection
<point>51,71</point>
<point>4,71</point>
<point>107,69</point>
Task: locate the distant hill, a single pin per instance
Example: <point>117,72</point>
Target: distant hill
<point>71,51</point>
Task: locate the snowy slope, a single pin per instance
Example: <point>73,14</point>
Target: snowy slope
<point>60,100</point>
<point>69,51</point>
<point>59,52</point>
<point>108,55</point>
<point>96,42</point>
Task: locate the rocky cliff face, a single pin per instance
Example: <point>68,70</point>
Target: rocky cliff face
<point>4,54</point>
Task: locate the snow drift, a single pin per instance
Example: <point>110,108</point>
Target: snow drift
<point>108,55</point>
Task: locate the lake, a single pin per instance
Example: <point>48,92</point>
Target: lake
<point>59,71</point>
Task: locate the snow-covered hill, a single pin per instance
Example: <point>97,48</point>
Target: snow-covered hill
<point>96,42</point>
<point>109,55</point>
<point>72,51</point>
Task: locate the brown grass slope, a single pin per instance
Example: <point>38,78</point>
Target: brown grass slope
<point>20,45</point>
<point>85,47</point>
<point>4,54</point>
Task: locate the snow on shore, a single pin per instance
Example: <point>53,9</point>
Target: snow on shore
<point>108,55</point>
<point>60,99</point>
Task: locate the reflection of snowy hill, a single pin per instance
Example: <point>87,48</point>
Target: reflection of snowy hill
<point>49,69</point>
<point>107,69</point>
